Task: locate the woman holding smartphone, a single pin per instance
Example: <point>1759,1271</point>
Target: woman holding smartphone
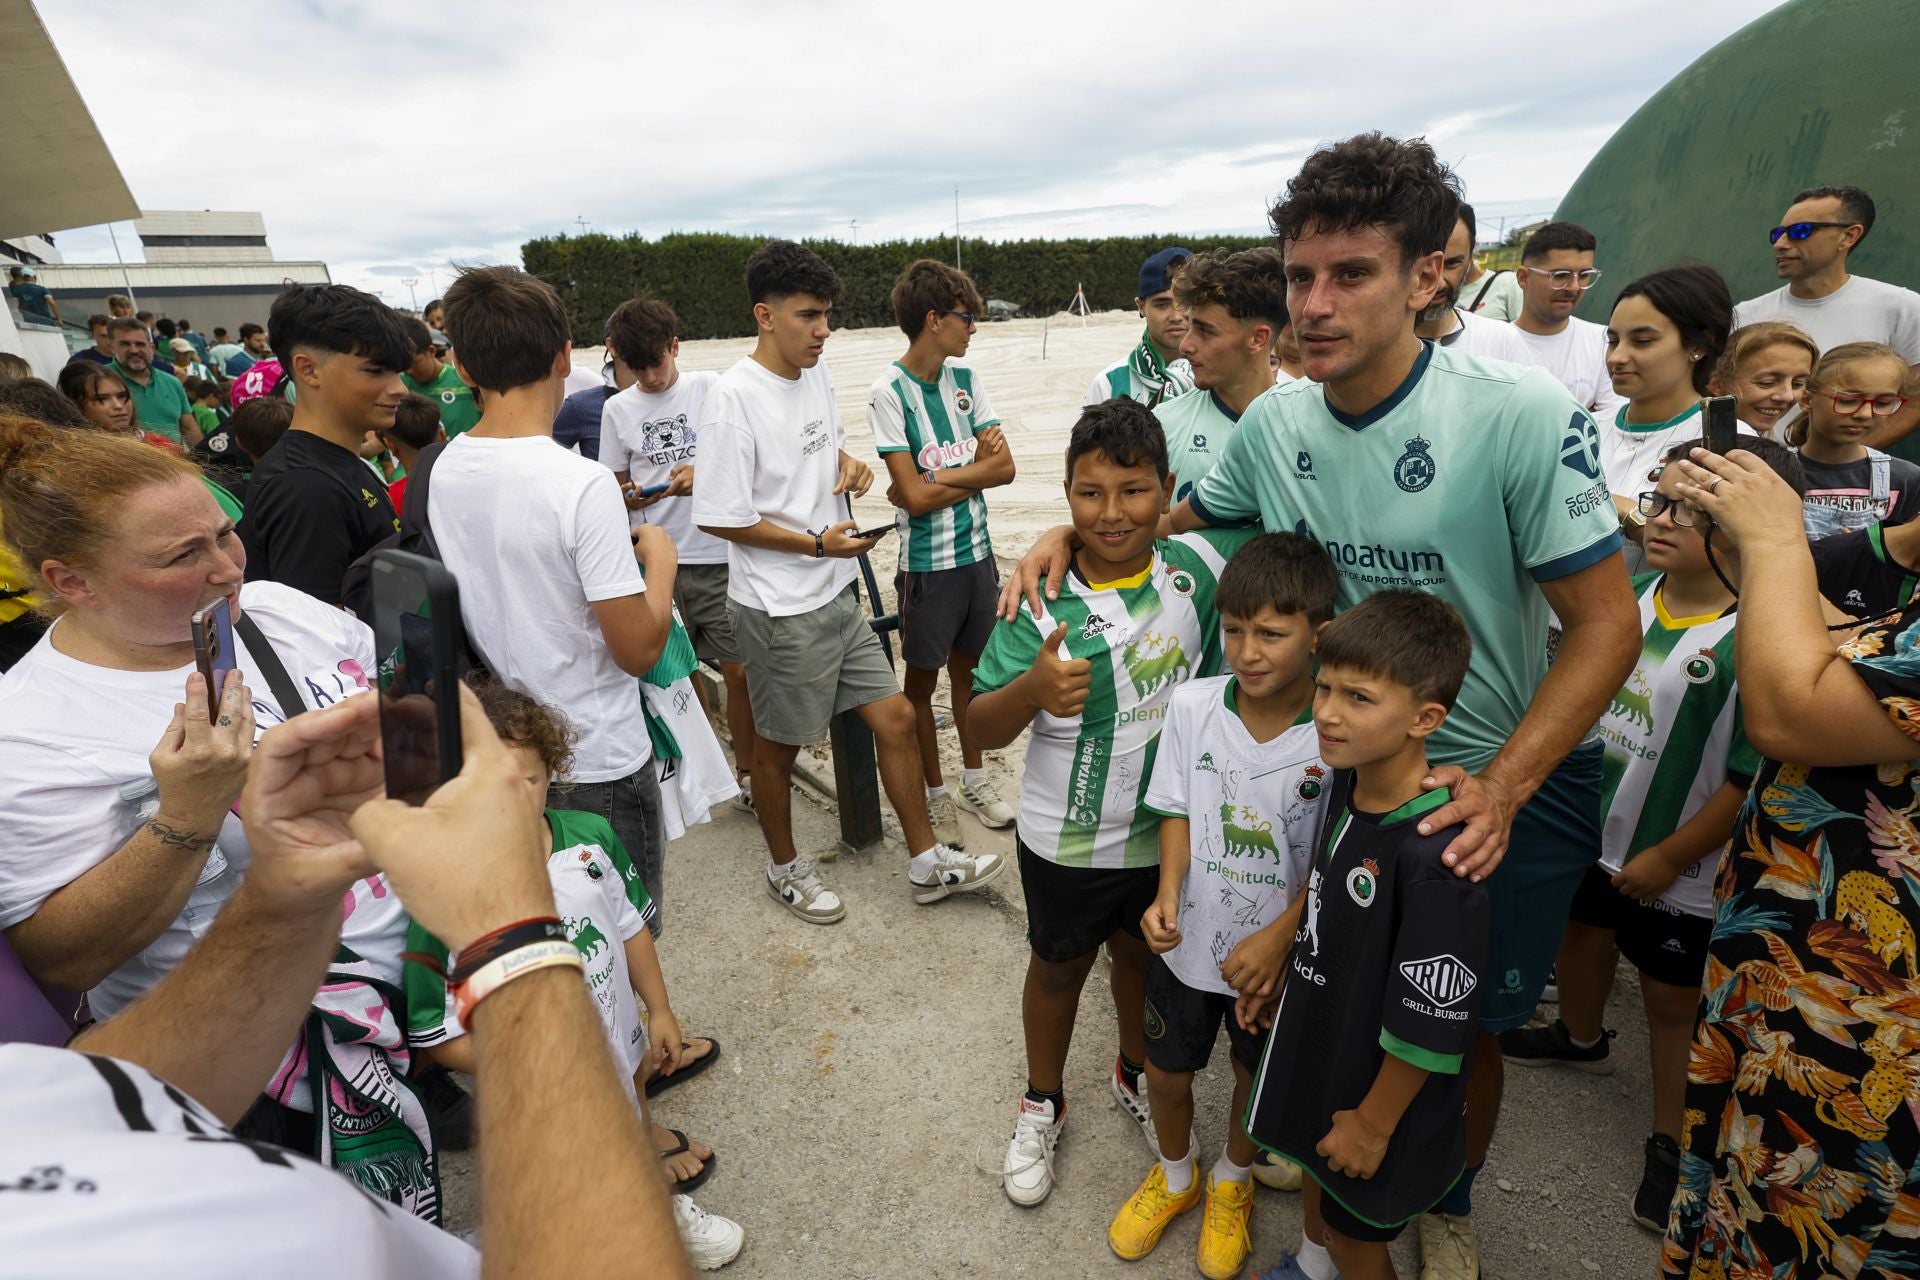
<point>120,768</point>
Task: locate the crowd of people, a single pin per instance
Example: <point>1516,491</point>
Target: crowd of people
<point>1384,684</point>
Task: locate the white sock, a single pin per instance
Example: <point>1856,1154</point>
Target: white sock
<point>920,865</point>
<point>1578,1043</point>
<point>1315,1262</point>
<point>1225,1170</point>
<point>1179,1173</point>
<point>973,777</point>
<point>936,791</point>
<point>777,869</point>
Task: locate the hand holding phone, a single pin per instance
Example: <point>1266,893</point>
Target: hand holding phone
<point>421,646</point>
<point>651,491</point>
<point>213,647</point>
<point>878,531</point>
<point>843,542</point>
<point>1722,427</point>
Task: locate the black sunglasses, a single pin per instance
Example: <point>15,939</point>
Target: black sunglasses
<point>966,316</point>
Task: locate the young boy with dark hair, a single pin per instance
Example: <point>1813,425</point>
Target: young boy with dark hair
<point>649,434</point>
<point>425,375</point>
<point>1237,780</point>
<point>1678,767</point>
<point>258,424</point>
<point>1092,676</point>
<point>313,507</point>
<point>943,447</point>
<point>416,424</point>
<point>537,536</point>
<point>1363,1083</point>
<point>773,469</point>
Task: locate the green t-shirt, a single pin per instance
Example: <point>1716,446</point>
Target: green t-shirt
<point>1197,428</point>
<point>208,419</point>
<point>455,398</point>
<point>1086,775</point>
<point>158,405</point>
<point>936,423</point>
<point>1476,480</point>
<point>229,504</point>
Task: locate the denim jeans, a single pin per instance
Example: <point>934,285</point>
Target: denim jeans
<point>631,806</point>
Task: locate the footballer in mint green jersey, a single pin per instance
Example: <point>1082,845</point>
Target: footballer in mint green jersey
<point>936,423</point>
<point>1475,480</point>
<point>1197,427</point>
<point>1080,800</point>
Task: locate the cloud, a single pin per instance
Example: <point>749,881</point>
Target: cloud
<point>393,140</point>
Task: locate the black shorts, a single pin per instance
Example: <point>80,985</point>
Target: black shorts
<point>1183,1023</point>
<point>947,611</point>
<point>1664,944</point>
<point>1072,910</point>
<point>1339,1218</point>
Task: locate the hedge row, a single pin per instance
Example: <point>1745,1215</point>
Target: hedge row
<point>702,276</point>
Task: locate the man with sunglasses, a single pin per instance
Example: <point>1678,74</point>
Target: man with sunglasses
<point>1555,273</point>
<point>943,448</point>
<point>1811,248</point>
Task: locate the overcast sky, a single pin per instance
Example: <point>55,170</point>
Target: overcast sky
<point>389,139</point>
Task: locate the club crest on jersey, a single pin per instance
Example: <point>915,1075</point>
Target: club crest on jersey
<point>1181,582</point>
<point>1414,470</point>
<point>962,401</point>
<point>1363,882</point>
<point>1443,980</point>
<point>1700,668</point>
<point>1310,783</point>
<point>1096,625</point>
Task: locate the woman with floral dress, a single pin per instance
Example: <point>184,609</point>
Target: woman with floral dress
<point>1801,1152</point>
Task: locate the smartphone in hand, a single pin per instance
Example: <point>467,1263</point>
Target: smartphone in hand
<point>651,491</point>
<point>872,533</point>
<point>421,646</point>
<point>213,649</point>
<point>1722,428</point>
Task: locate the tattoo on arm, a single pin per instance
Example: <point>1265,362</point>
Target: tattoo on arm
<point>175,838</point>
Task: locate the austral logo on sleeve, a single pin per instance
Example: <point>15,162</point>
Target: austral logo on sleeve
<point>1443,980</point>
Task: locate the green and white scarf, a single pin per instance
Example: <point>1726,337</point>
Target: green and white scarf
<point>1156,376</point>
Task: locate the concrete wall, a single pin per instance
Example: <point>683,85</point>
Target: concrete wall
<point>206,306</point>
<point>44,347</point>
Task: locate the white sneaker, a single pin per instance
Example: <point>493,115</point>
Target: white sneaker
<point>1134,1105</point>
<point>711,1240</point>
<point>955,872</point>
<point>1269,1170</point>
<point>744,801</point>
<point>1027,1171</point>
<point>945,820</point>
<point>799,888</point>
<point>1449,1247</point>
<point>984,803</point>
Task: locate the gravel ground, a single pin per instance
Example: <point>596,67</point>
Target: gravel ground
<point>870,1072</point>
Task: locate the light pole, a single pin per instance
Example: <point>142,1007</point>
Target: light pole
<point>585,226</point>
<point>413,302</point>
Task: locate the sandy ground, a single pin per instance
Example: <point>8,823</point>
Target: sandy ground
<point>871,1069</point>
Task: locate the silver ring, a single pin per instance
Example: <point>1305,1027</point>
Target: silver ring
<point>1717,482</point>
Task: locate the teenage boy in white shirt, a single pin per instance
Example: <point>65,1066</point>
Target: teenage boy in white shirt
<point>550,590</point>
<point>1556,270</point>
<point>649,432</point>
<point>773,469</point>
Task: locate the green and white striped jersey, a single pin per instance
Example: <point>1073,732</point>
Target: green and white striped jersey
<point>1081,796</point>
<point>1143,376</point>
<point>1672,735</point>
<point>936,422</point>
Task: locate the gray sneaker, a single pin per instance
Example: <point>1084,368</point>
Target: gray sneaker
<point>945,819</point>
<point>955,872</point>
<point>984,803</point>
<point>799,888</point>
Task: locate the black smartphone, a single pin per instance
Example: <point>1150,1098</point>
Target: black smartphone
<point>213,647</point>
<point>421,646</point>
<point>873,533</point>
<point>1722,429</point>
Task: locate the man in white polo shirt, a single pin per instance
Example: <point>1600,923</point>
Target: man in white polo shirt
<point>773,472</point>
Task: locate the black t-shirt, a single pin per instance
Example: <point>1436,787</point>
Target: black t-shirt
<point>1847,487</point>
<point>1390,957</point>
<point>1859,574</point>
<point>313,508</point>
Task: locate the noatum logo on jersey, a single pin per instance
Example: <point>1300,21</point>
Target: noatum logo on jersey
<point>1415,470</point>
<point>1443,980</point>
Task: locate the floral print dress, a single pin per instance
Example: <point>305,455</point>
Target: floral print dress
<point>1801,1149</point>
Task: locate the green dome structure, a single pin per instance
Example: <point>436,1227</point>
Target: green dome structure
<point>1815,92</point>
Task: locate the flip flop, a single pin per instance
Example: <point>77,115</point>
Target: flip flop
<point>683,1186</point>
<point>659,1083</point>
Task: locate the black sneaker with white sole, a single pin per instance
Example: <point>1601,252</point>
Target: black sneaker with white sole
<point>1552,1046</point>
<point>1657,1185</point>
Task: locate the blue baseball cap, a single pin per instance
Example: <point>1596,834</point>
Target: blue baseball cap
<point>1156,273</point>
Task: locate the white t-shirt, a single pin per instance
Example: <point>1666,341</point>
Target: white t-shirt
<point>770,450</point>
<point>1494,296</point>
<point>1488,339</point>
<point>1245,802</point>
<point>647,436</point>
<point>536,534</point>
<point>1861,310</point>
<point>1577,355</point>
<point>115,1173</point>
<point>75,782</point>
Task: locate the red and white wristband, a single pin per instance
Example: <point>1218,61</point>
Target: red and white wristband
<point>498,972</point>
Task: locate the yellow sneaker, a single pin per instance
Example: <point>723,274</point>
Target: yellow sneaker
<point>1225,1240</point>
<point>1147,1214</point>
